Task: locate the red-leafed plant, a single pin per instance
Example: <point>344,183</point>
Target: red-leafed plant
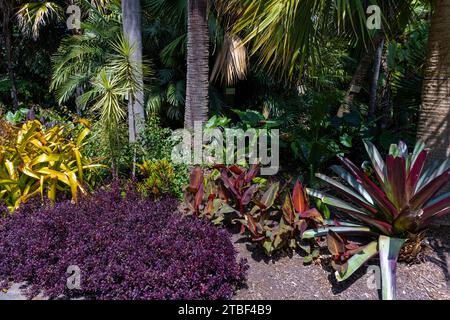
<point>202,197</point>
<point>235,194</point>
<point>239,183</point>
<point>226,190</point>
<point>298,216</point>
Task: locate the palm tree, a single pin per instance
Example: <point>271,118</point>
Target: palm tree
<point>230,62</point>
<point>287,35</point>
<point>197,83</point>
<point>434,123</point>
<point>132,30</point>
<point>31,15</point>
<point>100,62</point>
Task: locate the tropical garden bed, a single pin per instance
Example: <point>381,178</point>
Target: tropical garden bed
<point>311,161</point>
<point>287,278</point>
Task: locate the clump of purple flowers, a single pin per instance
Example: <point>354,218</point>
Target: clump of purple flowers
<point>126,248</point>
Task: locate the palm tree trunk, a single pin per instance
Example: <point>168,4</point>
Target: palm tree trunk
<point>375,77</point>
<point>7,39</point>
<point>131,16</point>
<point>386,107</point>
<point>197,84</point>
<point>360,76</point>
<point>434,120</point>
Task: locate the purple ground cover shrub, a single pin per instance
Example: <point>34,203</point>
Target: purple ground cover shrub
<point>126,248</point>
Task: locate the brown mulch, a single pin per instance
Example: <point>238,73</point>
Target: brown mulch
<point>288,278</point>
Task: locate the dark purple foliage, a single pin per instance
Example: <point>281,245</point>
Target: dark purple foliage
<point>126,248</point>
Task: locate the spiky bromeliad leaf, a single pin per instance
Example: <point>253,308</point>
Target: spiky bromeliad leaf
<point>377,161</point>
<point>350,230</point>
<point>405,199</point>
<point>389,250</point>
<point>349,193</point>
<point>347,177</point>
<point>378,195</point>
<point>353,211</point>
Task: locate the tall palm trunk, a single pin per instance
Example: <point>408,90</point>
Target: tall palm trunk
<point>197,83</point>
<point>434,122</point>
<point>131,16</point>
<point>360,76</point>
<point>6,8</point>
<point>375,78</point>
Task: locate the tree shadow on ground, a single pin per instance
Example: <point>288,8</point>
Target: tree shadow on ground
<point>439,241</point>
<point>339,287</point>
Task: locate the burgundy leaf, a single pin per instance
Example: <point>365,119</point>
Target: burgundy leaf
<point>396,176</point>
<point>229,183</point>
<point>199,197</point>
<point>335,243</point>
<point>236,170</point>
<point>380,225</point>
<point>376,193</point>
<point>251,173</point>
<point>435,209</point>
<point>248,194</point>
<point>288,210</point>
<point>414,173</point>
<point>429,190</point>
<point>196,179</point>
<point>312,214</point>
<point>299,198</point>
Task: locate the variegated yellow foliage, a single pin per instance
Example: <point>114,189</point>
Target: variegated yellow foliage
<point>43,161</point>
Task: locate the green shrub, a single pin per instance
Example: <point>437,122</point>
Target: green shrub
<point>160,177</point>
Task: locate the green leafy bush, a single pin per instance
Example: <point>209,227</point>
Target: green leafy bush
<point>155,144</point>
<point>157,177</point>
<point>160,177</point>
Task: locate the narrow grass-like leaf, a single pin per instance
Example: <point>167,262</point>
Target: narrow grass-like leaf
<point>320,232</point>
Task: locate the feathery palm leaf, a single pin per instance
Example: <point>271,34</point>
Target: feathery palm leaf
<point>34,15</point>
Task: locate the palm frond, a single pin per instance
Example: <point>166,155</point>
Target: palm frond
<point>34,15</point>
<point>231,63</point>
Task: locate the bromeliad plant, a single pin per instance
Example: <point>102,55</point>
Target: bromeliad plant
<point>399,201</point>
<point>44,160</point>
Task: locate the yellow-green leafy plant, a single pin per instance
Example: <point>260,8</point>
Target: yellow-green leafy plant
<point>158,177</point>
<point>7,132</point>
<point>43,162</point>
